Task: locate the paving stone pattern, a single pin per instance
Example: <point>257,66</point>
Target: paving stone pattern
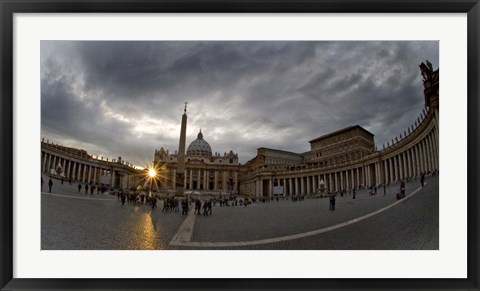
<point>75,221</point>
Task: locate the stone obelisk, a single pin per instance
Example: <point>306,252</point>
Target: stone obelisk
<point>180,176</point>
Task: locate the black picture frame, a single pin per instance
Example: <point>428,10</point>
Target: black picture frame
<point>9,7</point>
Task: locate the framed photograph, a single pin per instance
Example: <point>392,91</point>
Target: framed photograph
<point>239,145</point>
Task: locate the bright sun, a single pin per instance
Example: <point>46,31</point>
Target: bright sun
<point>152,173</point>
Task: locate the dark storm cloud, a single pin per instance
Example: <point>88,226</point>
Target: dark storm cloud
<point>126,98</point>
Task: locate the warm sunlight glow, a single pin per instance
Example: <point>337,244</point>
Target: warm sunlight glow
<point>152,173</point>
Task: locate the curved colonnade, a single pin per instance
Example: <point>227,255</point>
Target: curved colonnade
<point>408,156</point>
<point>68,163</point>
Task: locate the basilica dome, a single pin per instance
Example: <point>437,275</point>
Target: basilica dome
<point>199,147</point>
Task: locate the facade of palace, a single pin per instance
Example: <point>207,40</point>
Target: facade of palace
<point>76,164</point>
<point>205,172</point>
<point>347,158</point>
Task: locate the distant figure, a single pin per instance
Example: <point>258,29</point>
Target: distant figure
<point>422,179</point>
<point>198,205</point>
<point>50,184</point>
<point>384,190</point>
<point>332,202</point>
<point>42,184</point>
<point>86,188</point>
<point>184,207</point>
<point>79,187</point>
<point>353,193</point>
<point>154,203</point>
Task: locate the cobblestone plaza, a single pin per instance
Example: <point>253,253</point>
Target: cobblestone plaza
<point>73,220</point>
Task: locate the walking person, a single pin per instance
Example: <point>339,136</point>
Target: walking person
<point>197,207</point>
<point>353,193</point>
<point>422,179</point>
<point>384,190</point>
<point>333,202</point>
<point>50,184</point>
<point>42,184</point>
<point>79,187</point>
<point>86,188</point>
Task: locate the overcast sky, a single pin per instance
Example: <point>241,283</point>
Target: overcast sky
<point>127,98</point>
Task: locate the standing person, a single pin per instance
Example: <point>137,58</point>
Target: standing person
<point>124,196</point>
<point>92,188</point>
<point>62,180</point>
<point>50,184</point>
<point>86,188</point>
<point>333,202</point>
<point>205,208</point>
<point>42,184</point>
<point>422,179</point>
<point>353,193</point>
<point>154,202</point>
<point>185,207</point>
<point>209,207</point>
<point>384,190</point>
<point>79,187</point>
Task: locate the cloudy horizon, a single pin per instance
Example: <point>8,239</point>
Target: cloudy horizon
<point>114,98</point>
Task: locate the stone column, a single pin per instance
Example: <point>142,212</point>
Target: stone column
<point>429,153</point>
<point>290,190</point>
<point>395,169</point>
<point>409,165</point>
<point>259,187</point>
<point>95,176</point>
<point>74,170</point>
<point>113,178</point>
<point>215,187</point>
<point>296,186</point>
<point>270,187</point>
<point>422,157</point>
<point>89,167</point>
<point>205,179</point>
<point>435,150</point>
<point>432,154</point>
<point>190,180</point>
<point>64,168</point>
<point>308,185</point>
<point>224,182</point>
<point>49,163</point>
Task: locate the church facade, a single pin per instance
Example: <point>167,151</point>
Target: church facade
<point>205,172</point>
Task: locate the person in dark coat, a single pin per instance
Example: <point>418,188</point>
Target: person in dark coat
<point>79,187</point>
<point>50,184</point>
<point>86,188</point>
<point>42,184</point>
<point>422,179</point>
